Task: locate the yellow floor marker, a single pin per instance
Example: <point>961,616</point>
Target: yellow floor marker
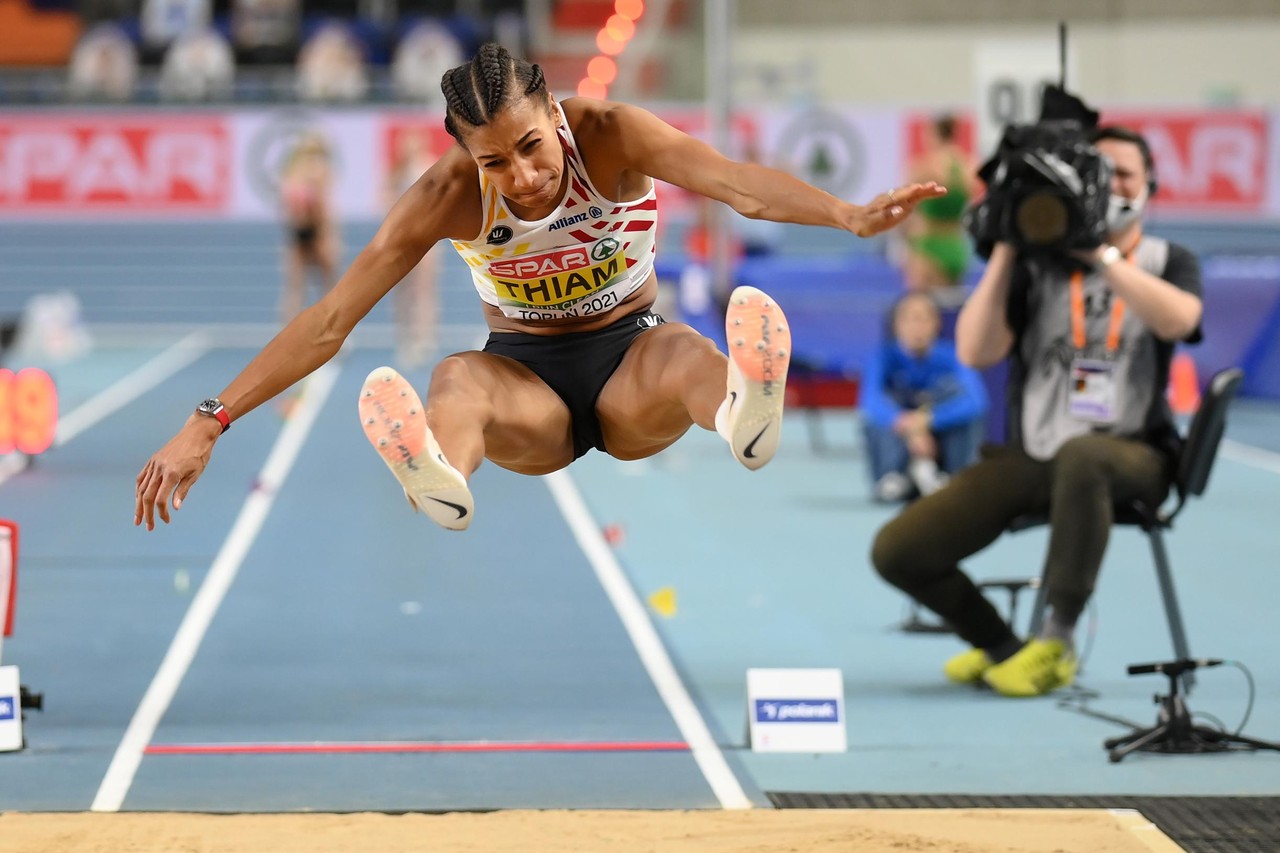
<point>664,602</point>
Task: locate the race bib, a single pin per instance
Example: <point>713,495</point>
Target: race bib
<point>572,282</point>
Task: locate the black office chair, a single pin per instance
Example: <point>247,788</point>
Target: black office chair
<point>1190,478</point>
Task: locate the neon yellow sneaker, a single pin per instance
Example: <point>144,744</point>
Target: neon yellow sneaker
<point>750,418</point>
<point>396,424</point>
<point>1068,666</point>
<point>1039,667</point>
<point>967,667</point>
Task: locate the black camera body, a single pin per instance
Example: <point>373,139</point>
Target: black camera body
<point>1047,185</point>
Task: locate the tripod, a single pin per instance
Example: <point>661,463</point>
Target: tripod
<point>1174,732</point>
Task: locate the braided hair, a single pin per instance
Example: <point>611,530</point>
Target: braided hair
<point>474,92</point>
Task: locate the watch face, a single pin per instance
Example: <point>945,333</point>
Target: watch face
<point>210,406</point>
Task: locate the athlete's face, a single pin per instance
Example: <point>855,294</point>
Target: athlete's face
<point>520,153</point>
<point>1130,178</point>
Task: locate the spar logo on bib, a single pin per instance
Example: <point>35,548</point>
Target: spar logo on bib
<point>561,277</point>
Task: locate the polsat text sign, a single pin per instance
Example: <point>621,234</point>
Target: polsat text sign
<point>1210,160</point>
<point>28,411</point>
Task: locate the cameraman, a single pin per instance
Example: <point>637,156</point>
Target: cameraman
<point>1091,335</point>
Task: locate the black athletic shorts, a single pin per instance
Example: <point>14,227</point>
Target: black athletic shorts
<point>576,366</point>
<point>305,236</point>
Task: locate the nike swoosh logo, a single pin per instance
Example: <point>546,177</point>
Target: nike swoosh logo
<point>462,510</point>
<point>733,399</point>
<point>747,450</point>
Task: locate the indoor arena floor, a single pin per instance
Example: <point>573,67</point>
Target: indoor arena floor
<point>299,641</point>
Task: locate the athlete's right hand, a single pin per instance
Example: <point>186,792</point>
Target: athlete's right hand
<point>170,473</point>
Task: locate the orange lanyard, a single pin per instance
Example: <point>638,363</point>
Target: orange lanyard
<point>1077,314</point>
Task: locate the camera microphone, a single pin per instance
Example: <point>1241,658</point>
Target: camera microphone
<point>1173,667</point>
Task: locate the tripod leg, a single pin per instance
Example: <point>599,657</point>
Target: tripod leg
<point>1224,739</point>
<point>1152,735</point>
<point>1112,742</point>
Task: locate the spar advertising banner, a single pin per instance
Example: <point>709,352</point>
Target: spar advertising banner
<point>96,163</point>
<point>1207,162</point>
<point>226,164</point>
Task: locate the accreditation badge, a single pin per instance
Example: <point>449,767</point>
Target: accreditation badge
<point>1093,397</point>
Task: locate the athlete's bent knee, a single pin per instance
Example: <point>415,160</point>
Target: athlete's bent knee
<point>453,373</point>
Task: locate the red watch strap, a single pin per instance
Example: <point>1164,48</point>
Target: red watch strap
<point>218,413</point>
<point>223,418</point>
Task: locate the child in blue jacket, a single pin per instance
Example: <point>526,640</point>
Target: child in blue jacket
<point>922,409</point>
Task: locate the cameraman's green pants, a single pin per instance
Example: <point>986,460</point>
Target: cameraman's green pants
<point>919,551</point>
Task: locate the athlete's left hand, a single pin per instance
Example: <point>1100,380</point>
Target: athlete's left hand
<point>890,208</point>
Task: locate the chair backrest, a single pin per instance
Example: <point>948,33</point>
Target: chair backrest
<point>1205,432</point>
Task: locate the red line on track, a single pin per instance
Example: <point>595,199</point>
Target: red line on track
<point>410,746</point>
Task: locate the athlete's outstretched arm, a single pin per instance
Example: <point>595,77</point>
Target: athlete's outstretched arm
<point>655,148</point>
<point>433,209</point>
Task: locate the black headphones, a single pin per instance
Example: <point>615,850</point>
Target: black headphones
<point>1125,134</point>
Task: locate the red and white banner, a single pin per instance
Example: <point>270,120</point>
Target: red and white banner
<point>1207,161</point>
<point>96,163</point>
<point>917,129</point>
<point>408,137</point>
<point>225,164</point>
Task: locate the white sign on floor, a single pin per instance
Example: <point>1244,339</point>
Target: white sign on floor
<point>796,710</point>
<point>10,710</point>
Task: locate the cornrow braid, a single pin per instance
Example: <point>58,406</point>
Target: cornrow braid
<point>474,92</point>
<point>490,72</point>
<point>537,83</point>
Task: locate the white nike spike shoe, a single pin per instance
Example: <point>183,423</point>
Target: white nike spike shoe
<point>395,423</point>
<point>750,418</point>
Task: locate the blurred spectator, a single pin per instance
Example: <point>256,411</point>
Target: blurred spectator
<point>331,66</point>
<point>104,65</point>
<point>312,241</point>
<point>164,21</point>
<point>421,58</point>
<point>265,31</point>
<point>938,250</point>
<point>198,66</point>
<point>416,298</point>
<point>922,409</point>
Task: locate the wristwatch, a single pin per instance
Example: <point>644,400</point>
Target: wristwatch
<point>213,408</point>
<point>1108,257</point>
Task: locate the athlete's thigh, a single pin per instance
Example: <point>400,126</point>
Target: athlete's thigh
<point>668,373</point>
<point>528,428</point>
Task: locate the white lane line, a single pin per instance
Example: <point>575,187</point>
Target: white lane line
<point>124,391</point>
<point>116,396</point>
<point>1267,460</point>
<point>182,651</point>
<point>645,638</point>
<point>13,463</point>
